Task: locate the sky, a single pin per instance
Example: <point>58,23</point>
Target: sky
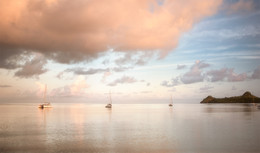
<point>140,51</point>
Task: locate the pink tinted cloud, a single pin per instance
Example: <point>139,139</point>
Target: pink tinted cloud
<point>105,75</point>
<point>77,88</point>
<point>69,31</point>
<point>40,89</point>
<point>256,73</point>
<point>241,5</point>
<point>33,67</point>
<point>123,80</point>
<point>226,74</point>
<point>195,73</point>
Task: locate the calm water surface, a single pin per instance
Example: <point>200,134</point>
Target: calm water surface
<point>189,128</point>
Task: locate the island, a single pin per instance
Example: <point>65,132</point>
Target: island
<point>247,97</point>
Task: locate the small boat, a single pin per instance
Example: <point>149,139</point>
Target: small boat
<point>45,104</point>
<point>171,104</point>
<point>109,105</point>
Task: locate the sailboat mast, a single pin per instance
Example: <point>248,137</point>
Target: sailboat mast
<point>171,100</point>
<point>110,97</point>
<point>45,90</point>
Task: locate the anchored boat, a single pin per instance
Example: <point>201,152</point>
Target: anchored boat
<point>45,103</point>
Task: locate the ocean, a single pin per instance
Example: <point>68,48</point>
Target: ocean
<point>133,128</point>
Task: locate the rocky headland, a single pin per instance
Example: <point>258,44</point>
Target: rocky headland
<point>247,97</point>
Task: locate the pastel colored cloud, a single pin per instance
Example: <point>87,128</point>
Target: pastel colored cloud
<point>70,31</point>
<point>123,80</point>
<point>77,88</point>
<point>256,73</point>
<point>5,86</point>
<point>32,67</point>
<point>206,89</point>
<point>91,71</point>
<point>226,74</point>
<point>195,73</point>
<point>179,67</point>
<point>241,5</point>
<point>40,89</point>
<point>198,74</point>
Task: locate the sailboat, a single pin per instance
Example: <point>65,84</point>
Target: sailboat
<point>109,105</point>
<point>45,103</point>
<point>170,105</point>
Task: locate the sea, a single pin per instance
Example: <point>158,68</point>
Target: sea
<point>133,128</point>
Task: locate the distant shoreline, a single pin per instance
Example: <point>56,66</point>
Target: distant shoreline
<point>247,97</point>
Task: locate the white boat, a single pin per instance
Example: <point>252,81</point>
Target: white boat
<point>171,104</point>
<point>109,105</point>
<point>45,103</point>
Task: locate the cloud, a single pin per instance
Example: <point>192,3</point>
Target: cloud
<point>195,73</point>
<point>105,75</point>
<point>217,75</point>
<point>26,63</point>
<point>256,73</point>
<point>72,31</point>
<point>106,61</point>
<point>31,93</point>
<point>127,58</point>
<point>39,91</point>
<point>92,71</point>
<point>172,83</point>
<point>192,76</point>
<point>77,88</point>
<point>145,92</point>
<point>198,74</point>
<point>82,71</point>
<point>166,84</point>
<point>206,89</point>
<point>179,67</point>
<point>147,83</point>
<point>60,75</point>
<point>172,90</point>
<point>120,69</point>
<point>225,74</point>
<point>135,58</point>
<point>33,67</point>
<point>9,58</point>
<point>241,5</point>
<point>123,80</point>
<point>5,86</point>
<point>234,77</point>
